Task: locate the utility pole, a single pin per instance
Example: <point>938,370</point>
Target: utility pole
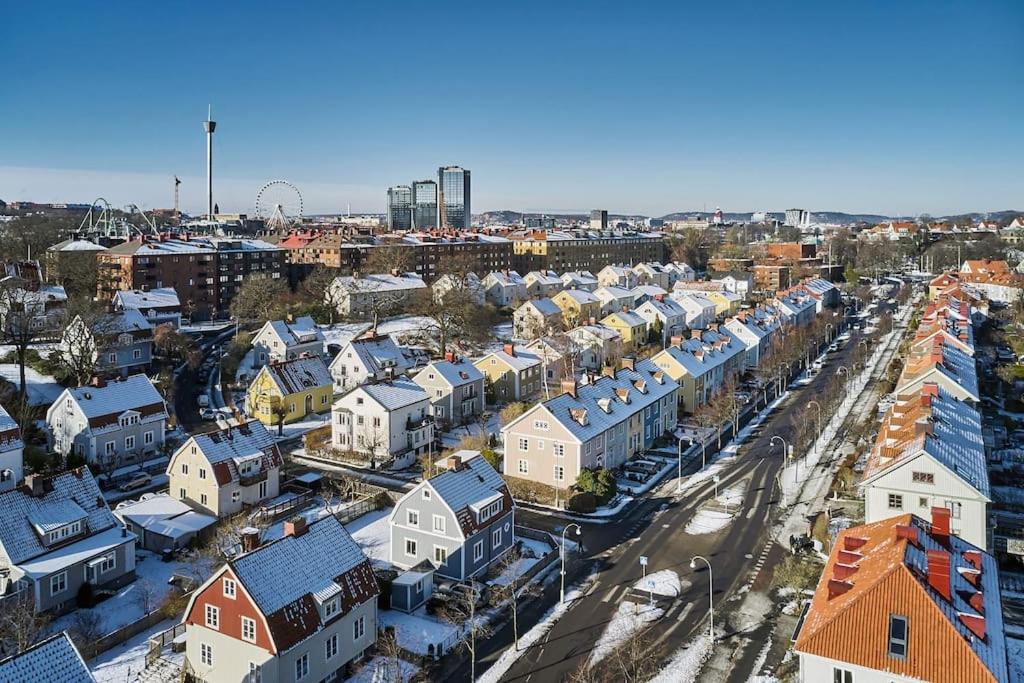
<point>177,182</point>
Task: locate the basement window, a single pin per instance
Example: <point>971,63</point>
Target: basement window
<point>897,636</point>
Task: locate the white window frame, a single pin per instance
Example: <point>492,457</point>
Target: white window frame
<point>411,542</point>
<point>61,580</point>
<point>524,467</point>
<point>129,442</point>
<point>248,630</point>
<point>206,654</point>
<point>230,588</point>
<point>331,647</point>
<point>359,628</point>
<point>212,617</point>
<point>412,518</point>
<point>495,538</point>
<point>444,552</point>
<point>302,666</point>
<point>440,524</point>
<point>478,551</point>
<point>148,438</point>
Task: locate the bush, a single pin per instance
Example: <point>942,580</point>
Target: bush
<point>492,457</point>
<point>797,571</point>
<point>583,501</point>
<point>85,598</point>
<point>600,482</point>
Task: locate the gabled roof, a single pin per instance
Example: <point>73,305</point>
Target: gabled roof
<point>579,277</point>
<point>546,307</point>
<point>396,393</point>
<point>505,278</point>
<point>52,660</point>
<point>129,320</point>
<point>76,245</point>
<point>226,447</point>
<point>628,318</point>
<point>648,290</point>
<point>580,296</point>
<point>945,359</point>
<point>613,294</point>
<point>302,330</point>
<point>667,308</point>
<point>544,277</point>
<point>946,588</point>
<point>284,577</point>
<point>523,358</point>
<point>376,352</point>
<point>602,332</point>
<point>102,405</point>
<point>455,373</point>
<point>464,489</point>
<point>298,374</point>
<point>383,282</point>
<point>162,297</point>
<point>10,432</point>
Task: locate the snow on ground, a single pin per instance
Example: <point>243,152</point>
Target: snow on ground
<point>665,582</point>
<point>629,620</point>
<point>536,549</point>
<point>343,333</point>
<point>1015,655</point>
<point>451,439</point>
<point>733,496</point>
<point>708,522</point>
<point>317,510</point>
<point>685,665</point>
<point>44,349</point>
<point>382,670</point>
<point>373,534</point>
<point>417,631</point>
<point>297,429</point>
<point>42,389</point>
<point>120,662</point>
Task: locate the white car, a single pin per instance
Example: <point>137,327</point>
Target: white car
<point>209,414</point>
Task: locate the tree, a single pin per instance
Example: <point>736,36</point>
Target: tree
<point>455,312</point>
<point>280,411</point>
<point>514,588</point>
<point>19,321</point>
<point>391,653</point>
<point>260,299</point>
<point>317,286</point>
<point>145,595</point>
<point>388,259</point>
<point>86,629</point>
<point>21,626</point>
<point>460,609</point>
<point>512,411</point>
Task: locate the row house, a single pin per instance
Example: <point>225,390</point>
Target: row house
<point>384,420</point>
<point>542,283</point>
<point>755,332</point>
<point>367,358</point>
<point>281,340</point>
<point>577,305</point>
<point>617,276</point>
<point>461,521</point>
<point>57,534</point>
<point>947,320</point>
<point>700,310</point>
<point>116,344</point>
<point>943,364</point>
<point>666,313</point>
<point>511,373</point>
<point>223,471</point>
<point>535,318</point>
<point>596,346</point>
<point>796,309</point>
<point>456,390</point>
<point>160,306</point>
<point>930,453</point>
<point>580,279</point>
<point>614,299</point>
<point>902,599</point>
<point>368,295</point>
<point>108,424</point>
<point>504,288</point>
<point>599,422</point>
<point>299,608</point>
<point>632,328</point>
<point>701,365</point>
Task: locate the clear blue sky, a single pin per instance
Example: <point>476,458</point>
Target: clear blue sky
<point>892,107</point>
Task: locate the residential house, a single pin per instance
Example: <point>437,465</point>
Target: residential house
<point>601,422</point>
<point>56,534</point>
<point>119,343</point>
<point>614,299</point>
<point>28,304</point>
<point>666,314</point>
<point>456,389</point>
<point>222,471</point>
<point>596,346</point>
<point>299,608</point>
<point>12,452</point>
<point>825,294</point>
<point>511,374</point>
<point>942,364</point>
<point>701,365</point>
<point>755,333</point>
<point>630,326</point>
<point>644,293</point>
<point>578,306</point>
<point>461,521</point>
<point>930,452</point>
<point>108,424</point>
<point>738,282</point>
<point>726,303</point>
<point>700,310</point>
<point>287,391</point>
<point>280,340</point>
<point>797,309</point>
<point>994,279</point>
<point>554,359</point>
<point>54,659</point>
<point>161,522</point>
<point>535,318</point>
<point>370,296</point>
<point>948,320</point>
<point>580,279</point>
<point>469,283</point>
<point>160,306</point>
<point>504,288</point>
<point>384,420</point>
<point>653,274</point>
<point>679,271</point>
<point>617,276</point>
<point>368,357</point>
<point>542,283</point>
<point>904,600</point>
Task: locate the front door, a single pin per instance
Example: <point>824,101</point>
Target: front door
<point>309,404</point>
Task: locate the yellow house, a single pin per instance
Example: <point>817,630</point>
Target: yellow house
<point>724,305</point>
<point>578,306</point>
<point>631,327</point>
<point>292,388</point>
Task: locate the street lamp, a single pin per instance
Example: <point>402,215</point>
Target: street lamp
<point>818,419</point>
<point>561,595</point>
<point>786,453</point>
<point>829,331</point>
<point>843,368</point>
<point>711,591</point>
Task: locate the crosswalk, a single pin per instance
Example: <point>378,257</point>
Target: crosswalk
<point>761,560</point>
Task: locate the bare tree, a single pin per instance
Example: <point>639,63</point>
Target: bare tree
<point>20,321</point>
<point>280,411</point>
<point>516,587</point>
<point>80,346</point>
<point>86,629</point>
<point>460,609</point>
<point>145,595</point>
<point>21,626</point>
<point>260,298</point>
<point>632,662</point>
<point>391,652</point>
<point>317,287</point>
<point>388,259</point>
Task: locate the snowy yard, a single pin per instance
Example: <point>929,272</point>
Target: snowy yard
<point>397,328</point>
<point>417,631</point>
<point>120,662</point>
<point>381,669</point>
<point>373,534</point>
<point>628,621</point>
<point>708,522</point>
<point>534,549</point>
<point>42,389</point>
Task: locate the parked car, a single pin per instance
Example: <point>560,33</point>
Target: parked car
<point>209,414</point>
<point>203,401</point>
<point>137,481</point>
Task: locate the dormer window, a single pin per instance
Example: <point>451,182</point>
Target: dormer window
<point>331,608</point>
<point>66,531</point>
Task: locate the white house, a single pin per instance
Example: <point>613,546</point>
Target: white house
<point>671,315</point>
<point>614,299</point>
<point>617,276</point>
<point>700,310</point>
<point>595,346</point>
<point>369,357</point>
<point>580,279</point>
<point>383,420</point>
<point>679,271</point>
<point>280,340</point>
<point>653,274</point>
<point>504,287</point>
<point>159,306</point>
<point>542,283</point>
<point>12,452</point>
<point>469,283</point>
<point>536,317</point>
<point>368,295</point>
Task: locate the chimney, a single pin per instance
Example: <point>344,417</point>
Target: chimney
<point>628,363</point>
<point>569,387</point>
<point>449,356</point>
<point>676,340</point>
<point>296,526</point>
<point>938,573</point>
<point>34,482</point>
<point>930,389</point>
<point>908,532</point>
<point>509,349</point>
<point>659,297</point>
<point>454,463</point>
<point>940,525</point>
<point>250,539</point>
<point>608,371</point>
<point>695,334</point>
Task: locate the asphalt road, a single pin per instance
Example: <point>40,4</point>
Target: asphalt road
<point>655,528</point>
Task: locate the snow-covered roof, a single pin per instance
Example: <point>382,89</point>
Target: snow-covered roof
<point>381,282</point>
<point>466,488</point>
<point>76,245</point>
<point>162,514</point>
<point>455,373</point>
<point>546,307</point>
<point>225,447</point>
<point>648,290</point>
<point>613,294</point>
<point>10,432</point>
<point>580,296</point>
<point>52,660</point>
<point>135,392</point>
<point>667,308</point>
<point>375,352</point>
<point>128,320</point>
<point>523,358</point>
<point>599,331</point>
<point>578,277</point>
<point>396,393</point>
<point>629,318</point>
<point>544,277</point>
<point>302,330</point>
<point>298,374</point>
<point>505,277</point>
<point>161,297</point>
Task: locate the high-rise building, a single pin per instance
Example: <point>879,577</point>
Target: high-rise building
<point>798,218</point>
<point>424,205</point>
<point>598,219</point>
<point>400,207</point>
<point>454,204</point>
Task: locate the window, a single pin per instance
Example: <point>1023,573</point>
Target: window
<point>108,448</point>
<point>841,675</point>
<point>895,501</point>
<point>922,502</point>
<point>478,551</point>
<point>249,629</point>
<point>359,628</point>
<point>559,450</point>
<point>331,646</point>
<point>236,496</point>
<point>302,667</point>
<point>540,444</point>
<point>440,554</point>
<point>496,538</point>
<point>524,467</point>
<point>147,438</point>
<point>410,547</point>
<point>129,443</point>
<point>229,588</point>
<point>954,508</point>
<point>540,424</point>
<point>202,473</point>
<point>412,517</point>
<point>206,654</point>
<point>58,583</point>
<point>330,608</point>
<point>255,673</point>
<point>202,499</point>
<point>182,495</point>
<point>524,444</point>
<point>923,477</point>
<point>439,523</point>
<point>559,473</point>
<point>897,636</point>
<point>137,354</point>
<point>112,358</point>
<point>213,616</point>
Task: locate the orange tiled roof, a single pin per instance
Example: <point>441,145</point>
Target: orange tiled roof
<point>985,266</point>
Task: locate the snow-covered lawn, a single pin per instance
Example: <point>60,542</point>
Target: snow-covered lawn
<point>629,620</point>
<point>120,662</point>
<point>417,631</point>
<point>535,549</point>
<point>708,522</point>
<point>382,670</point>
<point>373,534</point>
<point>42,389</point>
<point>665,582</point>
<point>686,663</point>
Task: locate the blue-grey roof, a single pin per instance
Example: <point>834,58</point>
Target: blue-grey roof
<point>397,393</point>
<point>456,374</point>
<point>476,481</point>
<point>53,660</point>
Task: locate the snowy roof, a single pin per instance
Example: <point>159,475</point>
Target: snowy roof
<point>818,285</point>
<point>546,307</point>
<point>396,393</point>
<point>128,320</point>
<point>466,488</point>
<point>68,495</point>
<point>523,358</point>
<point>580,296</point>
<point>630,318</point>
<point>699,356</point>
<point>298,374</point>
<point>52,660</point>
<point>613,294</point>
<point>381,282</point>
<point>115,397</point>
<point>505,278</point>
<point>224,447</point>
<point>579,277</point>
<point>302,330</point>
<point>600,331</point>
<point>162,297</point>
<point>375,352</point>
<point>76,245</point>
<point>456,374</point>
<point>162,514</point>
<point>10,433</point>
<point>667,308</point>
<point>544,277</point>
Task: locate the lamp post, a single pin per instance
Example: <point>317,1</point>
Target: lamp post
<point>711,591</point>
<point>829,331</point>
<point>818,419</point>
<point>785,453</point>
<point>843,368</point>
<point>561,595</point>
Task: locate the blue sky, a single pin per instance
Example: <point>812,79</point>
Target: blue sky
<point>644,107</point>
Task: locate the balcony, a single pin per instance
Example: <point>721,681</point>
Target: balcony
<point>253,478</point>
<point>412,425</point>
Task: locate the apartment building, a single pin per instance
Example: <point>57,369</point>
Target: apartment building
<point>561,250</point>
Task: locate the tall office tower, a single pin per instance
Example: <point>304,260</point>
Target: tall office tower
<point>598,219</point>
<point>424,205</point>
<point>400,207</point>
<point>455,211</point>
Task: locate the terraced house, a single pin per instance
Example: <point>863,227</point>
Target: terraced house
<point>600,422</point>
<point>701,365</point>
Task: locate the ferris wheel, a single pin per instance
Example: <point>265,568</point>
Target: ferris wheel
<point>279,203</point>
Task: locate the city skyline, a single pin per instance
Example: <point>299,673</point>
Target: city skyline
<point>666,108</point>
